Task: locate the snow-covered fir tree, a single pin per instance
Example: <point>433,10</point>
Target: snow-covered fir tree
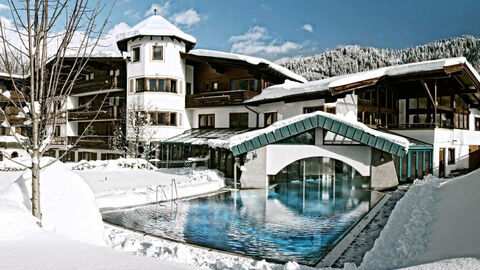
<point>355,58</point>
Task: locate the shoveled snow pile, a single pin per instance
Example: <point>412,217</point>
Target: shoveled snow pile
<point>67,205</point>
<point>249,59</point>
<point>238,139</point>
<point>435,221</point>
<point>404,237</point>
<point>147,246</point>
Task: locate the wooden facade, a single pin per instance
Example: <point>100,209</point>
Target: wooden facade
<point>220,82</point>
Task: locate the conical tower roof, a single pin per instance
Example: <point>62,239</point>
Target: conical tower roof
<point>154,25</point>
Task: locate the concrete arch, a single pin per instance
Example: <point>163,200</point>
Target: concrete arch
<point>279,156</point>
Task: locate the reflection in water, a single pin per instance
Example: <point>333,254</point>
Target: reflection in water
<point>300,220</point>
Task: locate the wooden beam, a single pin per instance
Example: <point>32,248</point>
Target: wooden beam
<point>425,86</point>
<point>460,82</point>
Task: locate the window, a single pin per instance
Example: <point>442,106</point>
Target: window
<point>270,118</point>
<point>162,85</point>
<point>239,120</point>
<point>189,88</point>
<point>163,118</point>
<point>323,108</point>
<point>173,86</point>
<point>214,86</point>
<point>157,52</point>
<point>206,120</point>
<point>136,54</point>
<point>246,84</point>
<point>57,131</point>
<point>477,123</point>
<point>451,156</point>
<point>140,84</point>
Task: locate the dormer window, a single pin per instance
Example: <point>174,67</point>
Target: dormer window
<point>136,54</point>
<point>157,52</point>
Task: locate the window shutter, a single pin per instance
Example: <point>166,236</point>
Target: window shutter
<point>180,119</point>
<point>180,87</point>
<point>132,85</point>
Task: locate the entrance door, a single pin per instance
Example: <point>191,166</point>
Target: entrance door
<point>474,157</point>
<point>441,167</point>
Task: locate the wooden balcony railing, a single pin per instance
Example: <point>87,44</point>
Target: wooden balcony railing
<point>57,141</point>
<point>95,142</point>
<point>231,97</point>
<point>94,113</point>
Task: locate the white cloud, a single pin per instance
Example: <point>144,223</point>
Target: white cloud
<point>257,41</point>
<point>4,7</point>
<point>132,13</point>
<point>307,27</point>
<point>188,17</point>
<point>162,9</point>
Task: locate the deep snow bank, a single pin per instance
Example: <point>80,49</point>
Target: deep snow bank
<point>404,238</point>
<point>67,205</point>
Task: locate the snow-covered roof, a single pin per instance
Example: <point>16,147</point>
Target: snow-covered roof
<point>155,25</point>
<point>14,76</point>
<point>237,140</point>
<point>249,59</point>
<point>294,89</point>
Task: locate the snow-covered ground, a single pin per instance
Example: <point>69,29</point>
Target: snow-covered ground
<point>72,235</point>
<point>116,184</point>
<point>434,226</point>
<point>436,220</point>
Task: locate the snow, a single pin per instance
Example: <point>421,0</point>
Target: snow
<point>249,59</point>
<point>119,186</point>
<point>155,25</point>
<point>151,247</point>
<point>289,89</point>
<point>67,203</point>
<point>401,70</point>
<point>436,221</point>
<point>238,139</point>
<point>72,235</point>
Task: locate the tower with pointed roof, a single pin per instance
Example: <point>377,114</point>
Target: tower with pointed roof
<point>156,75</point>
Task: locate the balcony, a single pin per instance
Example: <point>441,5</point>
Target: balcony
<point>95,142</point>
<point>59,141</point>
<point>94,113</point>
<point>221,98</point>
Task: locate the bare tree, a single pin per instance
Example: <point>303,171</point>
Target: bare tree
<point>139,125</point>
<point>42,33</point>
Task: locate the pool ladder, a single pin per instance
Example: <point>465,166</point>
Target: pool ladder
<point>173,189</point>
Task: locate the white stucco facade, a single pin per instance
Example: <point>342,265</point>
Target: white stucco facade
<point>172,67</point>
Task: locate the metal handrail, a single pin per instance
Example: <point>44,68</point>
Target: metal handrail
<point>156,197</point>
<point>174,184</point>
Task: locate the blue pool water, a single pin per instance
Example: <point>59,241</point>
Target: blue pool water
<point>287,224</point>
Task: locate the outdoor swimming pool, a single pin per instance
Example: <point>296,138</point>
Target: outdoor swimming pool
<point>295,222</point>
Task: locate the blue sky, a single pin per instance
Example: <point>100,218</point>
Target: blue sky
<point>283,28</point>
